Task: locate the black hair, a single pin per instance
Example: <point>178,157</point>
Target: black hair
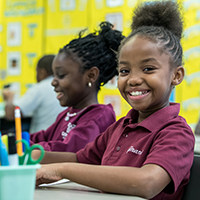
<point>160,22</point>
<point>46,63</point>
<point>97,49</point>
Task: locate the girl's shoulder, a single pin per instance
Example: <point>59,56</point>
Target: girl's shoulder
<point>98,113</point>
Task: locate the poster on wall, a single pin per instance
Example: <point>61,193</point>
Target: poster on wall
<point>116,19</point>
<point>67,5</point>
<point>112,84</point>
<point>52,5</point>
<point>14,31</point>
<point>99,4</point>
<point>114,3</point>
<point>2,74</point>
<point>83,5</point>
<point>14,63</point>
<point>114,100</point>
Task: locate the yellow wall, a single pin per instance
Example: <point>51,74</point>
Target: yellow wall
<point>1,42</point>
<point>47,26</point>
<point>189,92</point>
<point>29,46</point>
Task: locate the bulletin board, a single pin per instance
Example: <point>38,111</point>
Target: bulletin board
<point>64,20</point>
<point>22,38</point>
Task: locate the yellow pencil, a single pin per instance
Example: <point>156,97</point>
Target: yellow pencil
<point>18,129</point>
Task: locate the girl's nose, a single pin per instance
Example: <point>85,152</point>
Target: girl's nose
<point>135,79</point>
<point>54,82</point>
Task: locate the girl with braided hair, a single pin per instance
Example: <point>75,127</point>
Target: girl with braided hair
<point>80,69</point>
<point>149,152</point>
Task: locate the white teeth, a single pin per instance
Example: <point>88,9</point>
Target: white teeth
<point>58,93</point>
<point>137,93</point>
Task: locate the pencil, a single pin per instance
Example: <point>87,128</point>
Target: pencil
<point>18,129</point>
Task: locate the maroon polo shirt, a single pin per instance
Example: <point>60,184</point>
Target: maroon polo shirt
<point>164,138</point>
<point>72,134</point>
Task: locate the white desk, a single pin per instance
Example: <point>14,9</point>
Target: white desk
<point>197,144</point>
<point>73,191</point>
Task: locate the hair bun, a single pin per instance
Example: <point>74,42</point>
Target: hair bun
<point>110,36</point>
<point>164,13</point>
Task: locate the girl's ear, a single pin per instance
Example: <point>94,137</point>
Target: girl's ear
<point>178,76</point>
<point>93,74</point>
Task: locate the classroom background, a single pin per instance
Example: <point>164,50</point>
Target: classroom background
<point>31,28</point>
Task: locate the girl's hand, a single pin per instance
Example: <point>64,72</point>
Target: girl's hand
<point>48,174</point>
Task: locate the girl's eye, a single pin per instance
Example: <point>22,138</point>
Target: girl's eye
<point>123,71</point>
<point>61,76</point>
<point>148,69</point>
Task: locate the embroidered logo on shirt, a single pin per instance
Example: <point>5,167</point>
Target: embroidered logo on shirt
<point>131,149</point>
<point>70,126</point>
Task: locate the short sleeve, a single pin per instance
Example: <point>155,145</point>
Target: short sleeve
<point>173,149</point>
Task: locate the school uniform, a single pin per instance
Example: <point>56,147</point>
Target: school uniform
<point>164,138</point>
<point>71,134</point>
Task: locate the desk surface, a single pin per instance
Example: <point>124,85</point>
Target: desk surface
<point>73,191</point>
<point>197,144</point>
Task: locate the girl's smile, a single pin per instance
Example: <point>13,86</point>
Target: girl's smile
<point>59,95</point>
<point>138,94</point>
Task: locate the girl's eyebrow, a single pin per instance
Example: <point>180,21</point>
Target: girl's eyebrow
<point>141,62</point>
<point>58,67</point>
<point>148,60</point>
<point>123,62</point>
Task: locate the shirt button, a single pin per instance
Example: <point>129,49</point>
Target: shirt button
<point>117,148</point>
<point>125,135</point>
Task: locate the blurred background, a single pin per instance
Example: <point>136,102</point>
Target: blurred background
<point>31,28</point>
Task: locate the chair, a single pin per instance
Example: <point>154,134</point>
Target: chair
<point>192,190</point>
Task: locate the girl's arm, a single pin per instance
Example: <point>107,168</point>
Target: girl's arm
<point>54,157</point>
<point>145,182</point>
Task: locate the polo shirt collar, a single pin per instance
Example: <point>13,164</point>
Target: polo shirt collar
<point>156,119</point>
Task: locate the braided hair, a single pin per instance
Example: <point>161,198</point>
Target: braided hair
<point>96,49</point>
<point>161,23</point>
